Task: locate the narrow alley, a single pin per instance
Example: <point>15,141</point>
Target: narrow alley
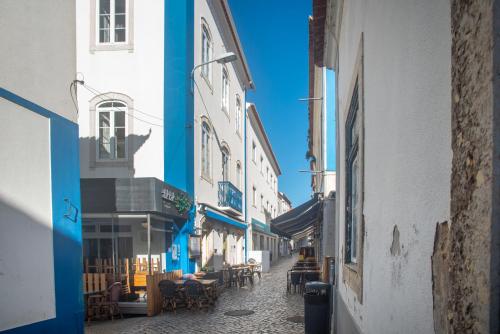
<point>268,299</point>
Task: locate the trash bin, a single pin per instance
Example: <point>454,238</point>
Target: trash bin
<point>317,308</point>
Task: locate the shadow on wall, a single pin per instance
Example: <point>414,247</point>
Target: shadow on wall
<point>89,151</point>
<point>40,273</point>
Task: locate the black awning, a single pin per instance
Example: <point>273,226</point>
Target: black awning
<point>131,195</point>
<point>298,219</point>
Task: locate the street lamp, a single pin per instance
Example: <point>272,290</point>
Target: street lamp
<point>222,59</point>
<point>312,171</point>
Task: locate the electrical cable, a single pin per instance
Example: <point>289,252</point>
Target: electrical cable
<point>96,94</point>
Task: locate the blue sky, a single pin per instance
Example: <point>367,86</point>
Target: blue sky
<point>274,34</point>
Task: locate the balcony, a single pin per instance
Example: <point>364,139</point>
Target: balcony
<point>230,198</point>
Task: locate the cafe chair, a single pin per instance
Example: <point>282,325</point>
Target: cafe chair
<point>296,281</point>
<point>109,305</point>
<point>169,293</point>
<point>197,295</point>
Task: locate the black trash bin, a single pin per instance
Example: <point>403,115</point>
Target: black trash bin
<point>317,308</point>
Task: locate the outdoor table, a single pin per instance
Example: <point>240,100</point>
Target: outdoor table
<point>208,283</point>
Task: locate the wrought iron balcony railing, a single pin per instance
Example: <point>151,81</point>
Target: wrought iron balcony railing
<point>230,197</point>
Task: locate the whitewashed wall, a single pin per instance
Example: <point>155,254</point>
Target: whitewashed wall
<point>26,251</point>
<point>31,69</point>
<point>256,178</point>
<point>137,73</point>
<point>207,105</point>
<point>407,154</point>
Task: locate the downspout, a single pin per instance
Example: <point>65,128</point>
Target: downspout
<point>337,174</point>
<point>244,107</point>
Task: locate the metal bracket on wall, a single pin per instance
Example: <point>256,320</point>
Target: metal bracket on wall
<point>71,211</point>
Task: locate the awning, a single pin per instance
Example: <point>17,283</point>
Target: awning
<point>214,214</point>
<point>131,196</point>
<point>298,219</point>
<point>258,226</point>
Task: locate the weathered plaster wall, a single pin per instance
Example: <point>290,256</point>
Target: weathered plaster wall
<point>407,147</point>
<point>466,260</point>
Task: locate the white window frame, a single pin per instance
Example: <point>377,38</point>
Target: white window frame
<point>205,148</point>
<point>112,127</point>
<point>254,196</point>
<point>112,25</point>
<point>226,164</point>
<point>238,175</point>
<point>206,52</point>
<point>238,115</point>
<point>254,152</point>
<point>225,91</point>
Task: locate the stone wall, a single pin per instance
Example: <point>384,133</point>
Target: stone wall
<point>465,271</point>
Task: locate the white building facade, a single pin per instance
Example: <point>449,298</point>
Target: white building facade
<point>284,204</point>
<point>40,227</point>
<point>393,63</point>
<point>262,186</point>
<point>149,111</point>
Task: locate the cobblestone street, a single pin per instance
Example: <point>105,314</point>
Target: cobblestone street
<point>267,298</point>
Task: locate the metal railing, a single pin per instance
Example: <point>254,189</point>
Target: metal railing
<point>230,196</point>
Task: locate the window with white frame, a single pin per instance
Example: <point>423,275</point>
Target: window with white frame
<point>238,115</point>
<point>262,203</point>
<point>225,91</point>
<point>261,164</point>
<point>267,174</point>
<point>238,175</point>
<point>206,52</point>
<point>112,21</point>
<point>254,152</point>
<point>353,178</point>
<point>205,150</point>
<point>254,196</point>
<point>225,164</point>
<point>111,129</point>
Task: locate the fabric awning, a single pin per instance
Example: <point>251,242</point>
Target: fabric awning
<point>298,219</point>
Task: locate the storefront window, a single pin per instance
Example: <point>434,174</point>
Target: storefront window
<point>128,249</point>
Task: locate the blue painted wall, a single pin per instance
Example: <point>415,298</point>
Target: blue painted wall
<point>178,114</point>
<point>67,237</point>
<point>330,120</point>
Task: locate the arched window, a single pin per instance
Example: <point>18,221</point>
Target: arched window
<point>225,91</point>
<point>238,175</point>
<point>205,150</point>
<point>238,115</point>
<point>206,52</point>
<point>225,164</point>
<point>111,130</point>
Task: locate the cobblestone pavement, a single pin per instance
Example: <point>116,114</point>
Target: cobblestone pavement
<point>267,298</point>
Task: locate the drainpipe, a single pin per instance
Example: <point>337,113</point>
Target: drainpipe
<point>245,167</point>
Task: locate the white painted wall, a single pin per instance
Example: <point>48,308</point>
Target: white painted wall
<point>407,154</point>
<point>137,73</point>
<point>38,52</point>
<point>26,247</point>
<point>38,64</point>
<point>256,176</point>
<point>207,105</point>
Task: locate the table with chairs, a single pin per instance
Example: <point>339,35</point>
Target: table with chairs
<point>301,273</point>
<point>192,293</point>
<point>239,275</point>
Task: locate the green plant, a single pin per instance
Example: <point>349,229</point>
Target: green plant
<point>182,203</point>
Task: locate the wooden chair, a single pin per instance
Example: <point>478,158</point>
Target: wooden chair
<point>197,295</point>
<point>110,304</point>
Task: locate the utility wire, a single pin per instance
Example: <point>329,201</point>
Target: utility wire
<point>135,109</point>
<point>98,95</point>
